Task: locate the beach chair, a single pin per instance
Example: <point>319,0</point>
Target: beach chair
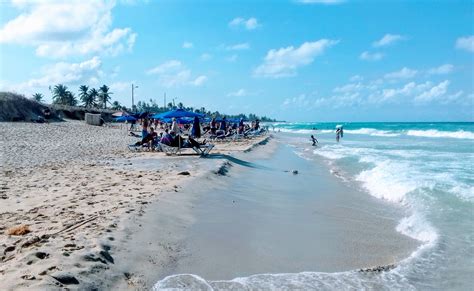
<point>202,150</point>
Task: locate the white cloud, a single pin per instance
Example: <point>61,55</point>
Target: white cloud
<point>373,57</point>
<point>65,28</point>
<point>356,78</point>
<point>238,47</point>
<point>433,93</point>
<point>388,39</point>
<point>249,24</point>
<point>232,58</point>
<point>187,45</point>
<point>374,93</point>
<point>121,87</point>
<point>404,73</point>
<point>173,73</point>
<point>205,57</point>
<point>166,66</point>
<point>87,72</point>
<point>327,2</point>
<point>466,43</point>
<point>199,80</point>
<point>301,101</point>
<point>284,62</point>
<point>441,70</point>
<point>238,93</point>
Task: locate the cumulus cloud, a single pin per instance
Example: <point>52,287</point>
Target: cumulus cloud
<point>187,45</point>
<point>249,24</point>
<point>238,93</point>
<point>65,28</point>
<point>284,62</point>
<point>441,70</point>
<point>378,93</point>
<point>433,93</point>
<point>65,73</point>
<point>173,73</point>
<point>238,47</point>
<point>388,39</point>
<point>404,73</point>
<point>466,43</point>
<point>205,57</point>
<point>373,57</point>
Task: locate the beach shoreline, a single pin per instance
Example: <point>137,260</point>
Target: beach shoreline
<point>214,227</point>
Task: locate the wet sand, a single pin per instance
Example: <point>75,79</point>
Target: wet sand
<point>260,218</point>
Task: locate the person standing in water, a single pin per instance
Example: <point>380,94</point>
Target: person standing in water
<point>338,134</point>
<point>314,140</point>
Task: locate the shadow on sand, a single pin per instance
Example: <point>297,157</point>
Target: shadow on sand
<point>237,161</point>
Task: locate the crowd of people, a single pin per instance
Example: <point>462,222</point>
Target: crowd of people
<point>171,133</point>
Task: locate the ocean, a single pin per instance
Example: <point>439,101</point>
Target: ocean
<point>424,168</point>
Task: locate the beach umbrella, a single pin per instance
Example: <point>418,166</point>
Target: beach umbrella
<point>125,118</point>
<point>119,113</point>
<point>179,120</point>
<point>177,113</point>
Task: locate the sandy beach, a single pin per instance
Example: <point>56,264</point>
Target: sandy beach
<point>73,186</point>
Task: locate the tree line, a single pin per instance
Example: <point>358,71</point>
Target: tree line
<point>89,97</point>
<point>93,98</point>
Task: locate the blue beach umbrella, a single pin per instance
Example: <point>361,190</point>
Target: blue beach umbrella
<point>125,118</point>
<point>178,113</point>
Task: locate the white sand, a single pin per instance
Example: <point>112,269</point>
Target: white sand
<point>74,185</point>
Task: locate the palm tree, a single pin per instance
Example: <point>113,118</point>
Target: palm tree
<point>70,99</point>
<point>86,99</point>
<point>93,94</point>
<point>116,105</point>
<point>180,105</point>
<point>104,95</point>
<point>60,93</point>
<point>38,97</point>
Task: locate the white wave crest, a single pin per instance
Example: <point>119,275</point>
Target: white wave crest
<point>416,226</point>
<point>437,133</point>
<point>387,181</point>
<point>372,132</point>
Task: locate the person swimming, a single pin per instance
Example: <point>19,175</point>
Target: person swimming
<point>314,140</point>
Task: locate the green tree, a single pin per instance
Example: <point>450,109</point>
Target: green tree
<point>61,95</point>
<point>70,99</point>
<point>180,105</point>
<point>93,94</point>
<point>38,97</point>
<point>85,97</point>
<point>104,95</point>
<point>116,105</point>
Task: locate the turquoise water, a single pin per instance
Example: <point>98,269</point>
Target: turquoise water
<point>426,168</point>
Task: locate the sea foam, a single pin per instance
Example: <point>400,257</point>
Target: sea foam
<point>440,134</point>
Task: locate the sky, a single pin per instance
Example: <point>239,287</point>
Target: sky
<point>293,60</point>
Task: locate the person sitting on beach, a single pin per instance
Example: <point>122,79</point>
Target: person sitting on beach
<point>257,124</point>
<point>223,125</point>
<point>241,126</point>
<point>148,139</point>
<point>145,127</point>
<point>196,130</point>
<point>166,138</point>
<point>174,126</point>
<point>213,125</point>
<point>314,140</point>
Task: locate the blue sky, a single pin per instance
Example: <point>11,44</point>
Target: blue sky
<point>308,60</point>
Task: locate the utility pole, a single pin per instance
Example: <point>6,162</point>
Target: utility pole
<point>133,101</point>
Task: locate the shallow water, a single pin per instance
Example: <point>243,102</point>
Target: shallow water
<point>426,169</point>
